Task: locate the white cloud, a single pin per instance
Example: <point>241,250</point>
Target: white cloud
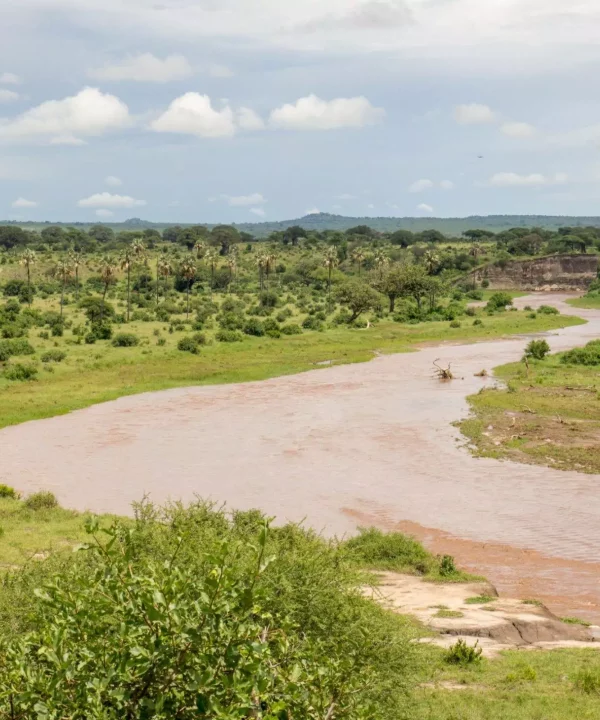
<point>245,200</point>
<point>8,78</point>
<point>420,185</point>
<point>447,185</point>
<point>7,96</point>
<point>370,206</point>
<point>220,71</point>
<point>88,113</point>
<point>106,200</point>
<point>23,203</point>
<point>510,179</point>
<point>113,181</point>
<point>247,119</point>
<point>67,140</point>
<point>518,129</point>
<point>312,113</point>
<point>193,114</point>
<point>473,114</point>
<point>423,207</point>
<point>258,211</point>
<point>103,213</point>
<point>313,211</point>
<point>144,68</point>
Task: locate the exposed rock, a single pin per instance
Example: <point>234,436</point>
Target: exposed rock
<point>550,274</point>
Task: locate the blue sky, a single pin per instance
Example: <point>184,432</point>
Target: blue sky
<point>243,110</point>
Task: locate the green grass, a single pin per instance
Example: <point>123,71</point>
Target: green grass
<point>448,614</point>
<point>100,372</point>
<point>487,294</point>
<point>575,621</point>
<point>549,417</point>
<point>551,685</point>
<point>591,302</point>
<point>480,600</point>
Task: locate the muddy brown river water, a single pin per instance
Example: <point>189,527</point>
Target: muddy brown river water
<point>337,447</point>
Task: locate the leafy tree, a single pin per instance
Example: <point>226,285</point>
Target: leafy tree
<point>293,235</point>
<point>363,230</point>
<point>359,297</point>
<point>404,238</point>
<point>53,234</point>
<point>224,236</point>
<point>12,236</point>
<point>358,257</point>
<point>101,233</point>
<point>537,349</point>
<point>477,234</point>
<point>171,234</point>
<point>189,236</point>
<point>405,281</point>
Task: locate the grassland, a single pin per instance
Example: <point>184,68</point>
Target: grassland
<point>590,301</point>
<point>549,416</point>
<point>101,372</point>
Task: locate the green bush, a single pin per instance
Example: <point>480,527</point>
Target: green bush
<point>588,355</point>
<point>499,301</point>
<point>7,492</point>
<point>447,566</point>
<point>588,682</point>
<point>455,324</point>
<point>188,344</point>
<point>548,310</point>
<point>18,371</point>
<point>537,349</point>
<point>389,551</point>
<point>125,340</point>
<point>253,326</point>
<point>54,356</point>
<point>229,336</point>
<point>291,329</point>
<point>43,500</point>
<point>16,346</point>
<point>462,654</point>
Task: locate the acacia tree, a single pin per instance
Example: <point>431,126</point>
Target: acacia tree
<point>359,297</point>
<point>28,261</point>
<point>404,281</point>
<point>188,273</point>
<point>64,271</point>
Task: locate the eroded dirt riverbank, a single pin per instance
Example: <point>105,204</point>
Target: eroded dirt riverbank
<point>372,438</point>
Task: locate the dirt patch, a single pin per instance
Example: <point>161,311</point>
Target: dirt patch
<point>512,624</point>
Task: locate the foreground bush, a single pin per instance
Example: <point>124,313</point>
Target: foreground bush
<point>125,340</point>
<point>43,500</point>
<point>190,614</point>
<point>588,355</point>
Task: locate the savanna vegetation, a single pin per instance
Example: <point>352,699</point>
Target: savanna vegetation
<point>195,612</point>
<point>590,300</point>
<point>90,316</point>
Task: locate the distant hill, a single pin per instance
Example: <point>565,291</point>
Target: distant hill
<point>326,221</point>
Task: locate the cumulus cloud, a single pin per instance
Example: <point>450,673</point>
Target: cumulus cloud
<point>312,113</point>
<point>24,203</point>
<point>113,181</point>
<point>247,119</point>
<point>421,185</point>
<point>103,213</point>
<point>7,78</point>
<point>447,185</point>
<point>424,207</point>
<point>7,96</point>
<point>258,211</point>
<point>473,114</point>
<point>518,129</point>
<point>89,113</point>
<point>245,200</point>
<point>313,211</point>
<point>511,179</point>
<point>193,114</point>
<point>144,68</point>
<point>106,200</point>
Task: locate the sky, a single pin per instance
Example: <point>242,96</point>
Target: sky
<point>251,110</point>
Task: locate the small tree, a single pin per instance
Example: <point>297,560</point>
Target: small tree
<point>330,261</point>
<point>359,297</point>
<point>537,349</point>
<point>28,261</point>
<point>188,273</point>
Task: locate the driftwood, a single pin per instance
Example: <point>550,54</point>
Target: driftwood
<point>482,373</point>
<point>442,373</point>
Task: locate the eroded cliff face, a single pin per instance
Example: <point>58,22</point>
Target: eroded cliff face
<point>559,272</point>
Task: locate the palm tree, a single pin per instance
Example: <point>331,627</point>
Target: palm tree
<point>358,257</point>
<point>381,261</point>
<point>64,270</point>
<point>475,250</point>
<point>77,260</point>
<point>188,272</point>
<point>232,265</point>
<point>261,262</point>
<point>270,259</point>
<point>164,269</point>
<point>210,258</point>
<point>28,260</point>
<point>431,260</point>
<point>108,273</point>
<point>126,262</point>
<point>330,261</point>
<point>200,248</point>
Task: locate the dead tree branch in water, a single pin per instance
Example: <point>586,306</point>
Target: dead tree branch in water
<point>442,373</point>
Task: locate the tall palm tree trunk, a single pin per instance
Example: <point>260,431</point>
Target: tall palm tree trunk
<point>128,291</point>
<point>62,297</point>
<point>188,300</point>
<point>29,284</point>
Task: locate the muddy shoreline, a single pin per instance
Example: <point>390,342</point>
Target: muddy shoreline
<point>335,447</point>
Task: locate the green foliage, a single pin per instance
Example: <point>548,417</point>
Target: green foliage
<point>253,326</point>
<point>291,329</point>
<point>588,355</point>
<point>190,614</point>
<point>188,344</point>
<point>43,500</point>
<point>20,372</point>
<point>548,310</point>
<point>447,566</point>
<point>125,340</point>
<point>7,492</point>
<point>54,355</point>
<point>14,347</point>
<point>359,297</point>
<point>537,349</point>
<point>588,682</point>
<point>390,551</point>
<point>229,336</point>
<point>480,600</point>
<point>575,621</point>
<point>462,654</point>
<point>499,301</point>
